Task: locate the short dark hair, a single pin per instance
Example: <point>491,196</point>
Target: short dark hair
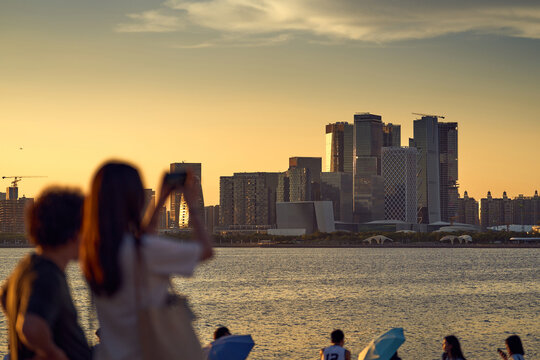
<point>221,332</point>
<point>337,336</point>
<point>55,217</point>
<point>514,345</point>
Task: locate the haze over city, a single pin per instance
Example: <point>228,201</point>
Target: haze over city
<point>244,85</point>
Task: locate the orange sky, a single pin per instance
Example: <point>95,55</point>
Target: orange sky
<point>80,86</point>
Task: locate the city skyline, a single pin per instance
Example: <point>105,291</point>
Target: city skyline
<point>156,83</point>
<point>461,189</point>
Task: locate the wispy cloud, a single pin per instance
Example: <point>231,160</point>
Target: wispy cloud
<point>377,21</point>
<point>236,41</point>
<point>151,21</point>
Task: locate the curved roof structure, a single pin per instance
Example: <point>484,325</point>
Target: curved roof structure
<point>379,239</point>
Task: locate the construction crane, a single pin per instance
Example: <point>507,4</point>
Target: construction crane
<point>437,116</point>
<point>16,179</point>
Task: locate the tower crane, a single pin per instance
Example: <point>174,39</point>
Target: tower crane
<point>16,179</point>
<point>437,116</point>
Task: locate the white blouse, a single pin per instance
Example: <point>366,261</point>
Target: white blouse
<point>117,314</point>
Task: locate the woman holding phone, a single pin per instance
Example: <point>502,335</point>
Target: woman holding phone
<point>115,238</point>
<point>514,347</point>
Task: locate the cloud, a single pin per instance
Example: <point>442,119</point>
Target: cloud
<point>376,21</point>
<point>236,41</point>
<point>151,21</point>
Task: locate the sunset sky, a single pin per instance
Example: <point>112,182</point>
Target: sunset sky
<point>242,85</point>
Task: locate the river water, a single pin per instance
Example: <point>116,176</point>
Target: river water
<point>290,299</point>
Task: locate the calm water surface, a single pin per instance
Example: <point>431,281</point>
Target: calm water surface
<point>291,299</point>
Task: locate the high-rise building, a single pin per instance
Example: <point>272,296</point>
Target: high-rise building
<point>367,138</point>
<point>339,147</point>
<point>163,222</point>
<point>12,214</point>
<point>467,210</point>
<point>400,190</point>
<point>337,187</point>
<point>300,184</point>
<point>368,185</point>
<point>526,210</point>
<point>178,206</point>
<point>426,140</point>
<point>2,196</point>
<point>314,167</point>
<point>283,188</point>
<point>211,217</point>
<point>448,170</point>
<point>391,135</point>
<point>495,211</point>
<point>12,193</point>
<point>253,199</point>
<point>226,200</point>
<point>522,210</point>
<point>149,199</point>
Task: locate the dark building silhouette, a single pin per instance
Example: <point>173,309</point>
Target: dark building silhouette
<point>448,170</point>
<point>149,199</point>
<point>226,200</point>
<point>521,210</point>
<point>467,210</point>
<point>12,213</point>
<point>314,167</point>
<point>337,187</point>
<point>526,210</point>
<point>163,220</point>
<point>391,135</point>
<point>426,141</point>
<point>368,185</point>
<point>339,147</point>
<point>211,217</point>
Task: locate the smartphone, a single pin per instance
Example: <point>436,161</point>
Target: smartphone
<point>176,179</point>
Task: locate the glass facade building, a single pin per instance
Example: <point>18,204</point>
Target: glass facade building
<point>426,141</point>
<point>448,170</point>
<point>368,185</point>
<point>400,192</point>
<point>337,187</point>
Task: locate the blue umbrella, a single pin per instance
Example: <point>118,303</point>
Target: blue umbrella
<point>384,346</point>
<point>232,347</point>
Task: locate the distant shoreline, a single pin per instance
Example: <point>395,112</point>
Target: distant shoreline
<point>422,245</point>
<point>387,246</point>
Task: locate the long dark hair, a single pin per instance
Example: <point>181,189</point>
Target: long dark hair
<point>455,350</point>
<point>514,345</point>
<point>112,209</point>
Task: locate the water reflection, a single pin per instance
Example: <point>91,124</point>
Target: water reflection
<point>291,299</point>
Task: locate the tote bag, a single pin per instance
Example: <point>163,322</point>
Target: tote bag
<point>165,331</point>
